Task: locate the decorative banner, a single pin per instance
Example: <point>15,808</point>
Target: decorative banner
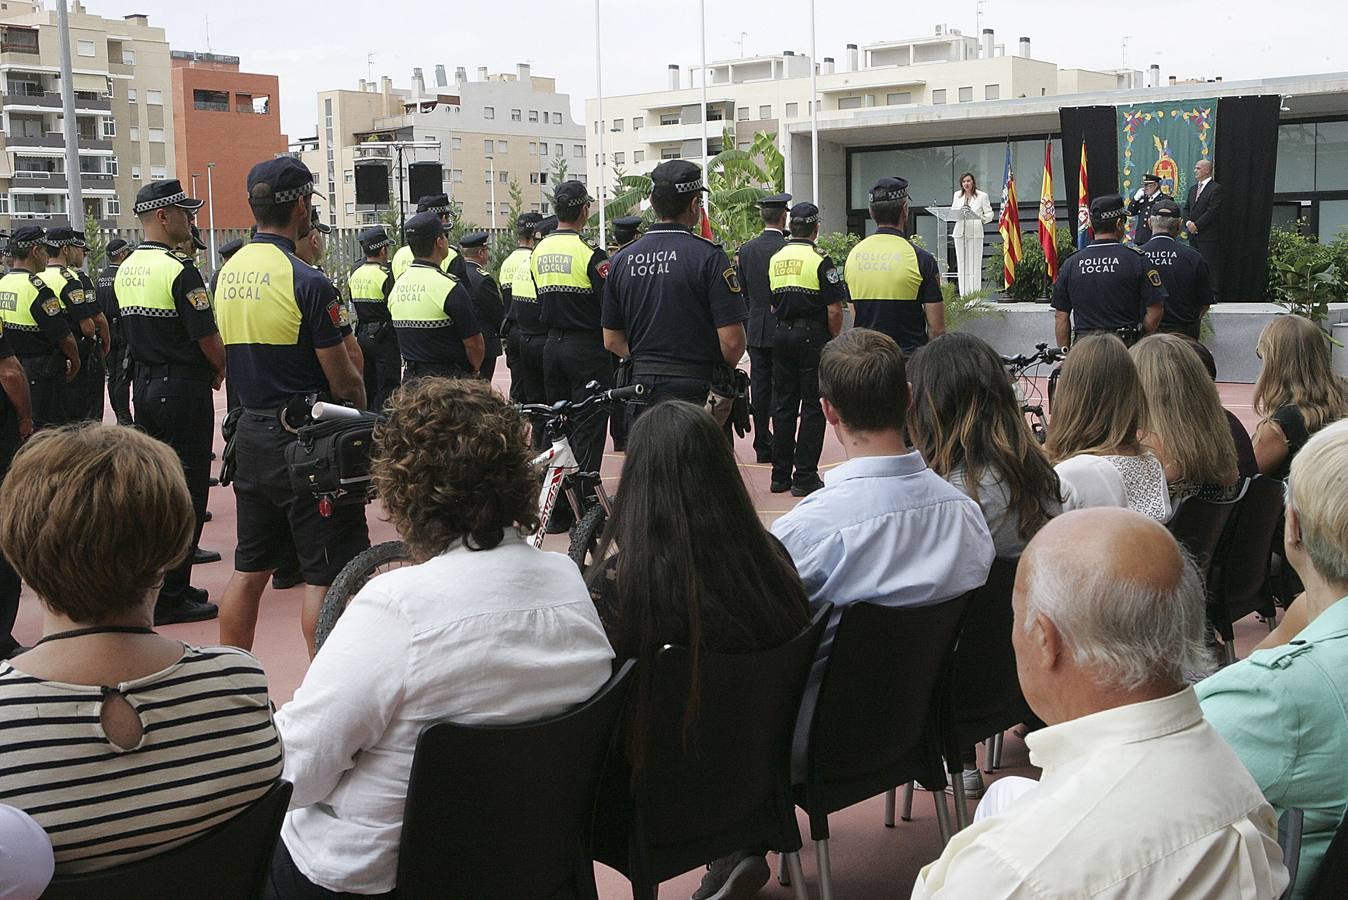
<point>1165,139</point>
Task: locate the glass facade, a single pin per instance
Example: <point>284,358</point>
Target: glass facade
<point>933,171</point>
<point>1312,177</point>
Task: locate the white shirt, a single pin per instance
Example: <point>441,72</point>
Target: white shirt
<point>979,204</point>
<point>1130,482</point>
<point>489,636</point>
<point>1201,184</point>
<point>1141,801</point>
<point>889,530</point>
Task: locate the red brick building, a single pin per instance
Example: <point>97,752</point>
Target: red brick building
<point>226,117</point>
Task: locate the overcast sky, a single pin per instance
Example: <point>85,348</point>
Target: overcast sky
<point>323,44</point>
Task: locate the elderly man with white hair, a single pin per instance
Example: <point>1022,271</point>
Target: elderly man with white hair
<point>1139,797</point>
<point>1283,708</point>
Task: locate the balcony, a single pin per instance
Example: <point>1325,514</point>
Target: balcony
<point>97,181</point>
<point>53,140</point>
<point>40,180</point>
<point>41,100</point>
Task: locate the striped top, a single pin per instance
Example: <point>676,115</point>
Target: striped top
<point>208,750</point>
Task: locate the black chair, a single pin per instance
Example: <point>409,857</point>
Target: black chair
<point>879,716</point>
<point>499,812</point>
<point>1239,581</point>
<point>1330,881</point>
<point>720,785</point>
<point>987,699</point>
<point>1199,526</point>
<point>229,862</point>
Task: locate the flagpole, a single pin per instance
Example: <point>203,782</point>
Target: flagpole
<point>599,93</point>
<point>814,114</point>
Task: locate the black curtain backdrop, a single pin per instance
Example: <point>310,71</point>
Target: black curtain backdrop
<point>1245,164</point>
<point>1098,127</point>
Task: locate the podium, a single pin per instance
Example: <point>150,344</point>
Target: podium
<point>947,215</point>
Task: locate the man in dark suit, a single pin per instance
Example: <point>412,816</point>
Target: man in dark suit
<point>486,297</point>
<point>1202,214</point>
<point>753,260</point>
<point>1183,271</point>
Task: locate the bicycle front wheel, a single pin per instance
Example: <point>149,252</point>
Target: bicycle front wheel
<point>354,576</point>
<point>585,536</point>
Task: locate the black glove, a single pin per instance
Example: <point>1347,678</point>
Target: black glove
<point>228,429</point>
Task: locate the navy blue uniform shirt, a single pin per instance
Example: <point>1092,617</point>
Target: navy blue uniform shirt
<point>1107,286</point>
<point>1184,273</point>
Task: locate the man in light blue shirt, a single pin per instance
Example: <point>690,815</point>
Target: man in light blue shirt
<point>884,527</point>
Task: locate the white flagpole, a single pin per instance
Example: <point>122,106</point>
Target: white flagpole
<point>814,114</point>
<point>603,159</point>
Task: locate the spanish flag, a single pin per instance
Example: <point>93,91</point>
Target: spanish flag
<point>1048,218</point>
<point>1009,223</point>
<point>1085,234</point>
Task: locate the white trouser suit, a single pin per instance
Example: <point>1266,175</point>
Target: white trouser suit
<point>968,238</point>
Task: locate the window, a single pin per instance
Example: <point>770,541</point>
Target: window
<point>638,156</point>
<point>131,95</point>
<point>488,112</point>
<point>966,94</point>
<point>85,48</point>
<point>348,176</point>
<point>533,115</point>
<point>211,101</point>
<point>154,97</point>
<point>938,97</point>
<point>617,124</point>
<point>792,110</point>
<point>542,177</point>
<point>669,153</point>
<point>849,102</point>
<point>486,176</point>
<point>488,146</point>
<point>128,57</point>
<point>502,146</point>
<point>533,207</point>
<point>619,159</point>
<point>596,127</point>
<point>742,114</point>
<point>596,160</point>
<point>581,178</point>
<point>765,112</point>
<point>577,150</point>
<point>456,143</point>
<point>111,207</point>
<point>559,150</point>
<point>135,173</point>
<point>898,98</point>
<point>109,128</point>
<point>157,135</point>
<point>533,148</point>
<point>556,118</point>
<point>351,209</point>
<point>669,118</point>
<point>257,105</point>
<point>505,208</point>
<point>543,208</point>
<point>504,177</point>
<point>533,178</point>
<point>992,92</point>
<point>456,176</point>
<point>158,173</point>
<point>638,122</point>
<point>135,133</point>
<point>488,207</point>
<point>110,167</point>
<point>515,115</point>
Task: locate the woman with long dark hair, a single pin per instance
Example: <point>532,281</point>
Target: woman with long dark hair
<point>688,562</point>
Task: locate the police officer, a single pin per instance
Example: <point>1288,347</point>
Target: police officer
<point>311,249</point>
<point>370,283</point>
<point>178,360</point>
<point>1183,270</point>
<point>65,254</point>
<point>432,310</point>
<point>89,386</point>
<point>280,320</point>
<point>626,229</point>
<point>895,287</point>
<point>227,249</point>
<point>486,297</point>
<point>439,205</point>
<point>1108,286</point>
<point>526,382</point>
<point>807,299</point>
<point>119,358</point>
<point>37,326</point>
<point>1143,206</point>
<point>569,276</point>
<point>752,266</point>
<point>16,424</point>
<point>672,302</point>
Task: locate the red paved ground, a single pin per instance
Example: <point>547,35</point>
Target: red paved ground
<point>869,860</point>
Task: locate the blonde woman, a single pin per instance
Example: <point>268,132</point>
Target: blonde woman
<point>1186,425</point>
<point>1095,438</point>
<point>969,233</point>
<point>1297,393</point>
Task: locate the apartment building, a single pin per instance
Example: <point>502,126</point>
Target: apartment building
<point>484,132</point>
<point>224,121</point>
<point>123,107</point>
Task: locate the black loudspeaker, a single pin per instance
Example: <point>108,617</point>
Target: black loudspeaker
<point>372,184</point>
<point>424,178</point>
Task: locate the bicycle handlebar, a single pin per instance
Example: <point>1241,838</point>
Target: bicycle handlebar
<point>1043,354</point>
<point>568,407</point>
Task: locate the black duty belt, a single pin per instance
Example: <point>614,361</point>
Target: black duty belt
<point>1129,335</point>
<point>448,370</point>
<point>594,333</point>
<point>187,373</point>
<point>700,371</point>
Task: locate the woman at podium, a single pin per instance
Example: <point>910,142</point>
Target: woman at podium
<point>969,233</point>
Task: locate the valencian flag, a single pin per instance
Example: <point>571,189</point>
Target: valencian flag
<point>1009,223</point>
<point>1085,234</point>
<point>1048,221</point>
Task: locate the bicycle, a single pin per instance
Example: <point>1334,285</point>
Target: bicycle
<point>1026,389</point>
<point>559,462</point>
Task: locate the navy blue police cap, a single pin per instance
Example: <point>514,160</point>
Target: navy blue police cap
<point>169,192</point>
<point>283,179</point>
<point>318,224</point>
<point>229,248</point>
<point>117,245</point>
<point>888,189</point>
<point>775,201</point>
<point>1150,178</point>
<point>474,239</point>
<point>676,178</point>
<point>1107,208</point>
<point>77,240</point>
<point>374,238</point>
<point>59,236</point>
<point>424,225</point>
<point>805,212</point>
<point>528,221</point>
<point>196,238</point>
<point>626,226</point>
<point>26,237</point>
<point>571,195</point>
<point>435,203</point>
<point>1166,208</point>
<point>546,226</point>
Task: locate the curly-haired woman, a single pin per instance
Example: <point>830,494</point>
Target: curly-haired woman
<point>485,629</point>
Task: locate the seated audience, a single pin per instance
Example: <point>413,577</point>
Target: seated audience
<point>1246,465</point>
<point>969,427</point>
<point>26,862</point>
<point>142,742</point>
<point>1297,393</point>
<point>884,528</point>
<point>697,569</point>
<point>1282,709</point>
<point>1139,797</point>
<point>1186,425</point>
<point>485,629</point>
<point>1095,436</point>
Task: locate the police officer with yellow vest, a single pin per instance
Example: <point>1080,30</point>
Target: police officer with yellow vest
<point>895,287</point>
<point>16,424</point>
<point>281,323</point>
<point>453,263</point>
<point>65,254</point>
<point>486,297</point>
<point>37,326</point>
<point>515,279</point>
<point>177,360</point>
<point>370,283</point>
<point>432,310</point>
<point>569,275</point>
<point>807,299</point>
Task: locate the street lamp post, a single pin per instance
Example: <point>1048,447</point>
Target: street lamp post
<point>210,209</point>
<point>491,176</point>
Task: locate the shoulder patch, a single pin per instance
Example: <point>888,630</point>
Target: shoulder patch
<point>732,279</point>
<point>36,281</point>
<point>1136,249</point>
<point>1154,277</point>
<point>603,268</point>
<point>335,312</point>
<point>51,307</point>
<point>181,257</point>
<point>200,300</point>
<point>833,275</point>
